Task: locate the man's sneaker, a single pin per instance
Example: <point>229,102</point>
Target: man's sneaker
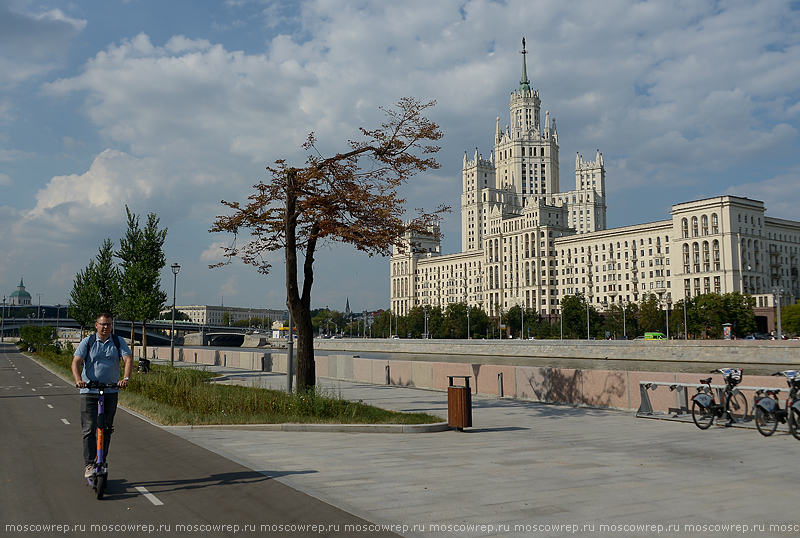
<point>89,471</point>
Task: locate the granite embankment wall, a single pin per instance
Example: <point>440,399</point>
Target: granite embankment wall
<point>505,374</point>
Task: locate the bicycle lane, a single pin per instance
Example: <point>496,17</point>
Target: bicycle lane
<point>190,489</point>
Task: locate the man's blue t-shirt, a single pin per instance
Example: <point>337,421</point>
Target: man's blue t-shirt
<point>101,364</point>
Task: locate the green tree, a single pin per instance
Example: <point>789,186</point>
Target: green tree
<point>574,310</point>
<point>676,318</point>
<point>455,325</point>
<point>709,310</point>
<point>380,327</point>
<point>335,199</point>
<point>95,288</point>
<point>523,322</point>
<point>616,320</point>
<point>790,319</point>
<point>36,336</point>
<point>651,318</point>
<point>478,322</point>
<point>106,276</point>
<point>82,305</point>
<point>738,308</point>
<point>413,323</point>
<point>142,254</point>
<point>179,316</point>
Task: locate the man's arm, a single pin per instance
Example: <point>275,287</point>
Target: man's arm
<point>77,365</point>
<point>128,360</point>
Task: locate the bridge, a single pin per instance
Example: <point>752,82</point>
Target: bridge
<point>158,331</point>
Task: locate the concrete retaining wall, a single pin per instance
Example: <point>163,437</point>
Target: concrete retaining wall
<point>742,352</point>
<point>599,388</point>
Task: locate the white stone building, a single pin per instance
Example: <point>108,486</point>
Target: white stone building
<point>524,242</point>
<point>212,315</point>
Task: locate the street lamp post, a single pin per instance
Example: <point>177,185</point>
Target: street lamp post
<point>685,323</point>
<point>58,314</point>
<point>3,322</point>
<point>468,333</point>
<point>778,291</point>
<point>175,268</point>
<point>588,334</point>
<point>668,302</point>
<point>624,326</point>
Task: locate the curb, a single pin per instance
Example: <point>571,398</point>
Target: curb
<point>326,428</point>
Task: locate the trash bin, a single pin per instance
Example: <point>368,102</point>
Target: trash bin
<point>459,403</point>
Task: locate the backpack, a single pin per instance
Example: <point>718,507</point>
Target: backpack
<point>93,339</point>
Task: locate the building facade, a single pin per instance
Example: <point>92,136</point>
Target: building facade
<point>212,315</point>
<point>526,243</point>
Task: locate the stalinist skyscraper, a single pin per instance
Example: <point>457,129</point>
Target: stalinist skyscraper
<point>518,185</point>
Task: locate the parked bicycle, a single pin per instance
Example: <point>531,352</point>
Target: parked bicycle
<point>768,410</point>
<point>99,477</point>
<point>732,405</point>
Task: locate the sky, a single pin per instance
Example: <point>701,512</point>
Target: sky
<point>170,106</point>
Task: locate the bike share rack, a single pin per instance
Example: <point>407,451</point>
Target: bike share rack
<point>646,409</point>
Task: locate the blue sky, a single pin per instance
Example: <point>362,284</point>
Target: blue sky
<point>169,106</point>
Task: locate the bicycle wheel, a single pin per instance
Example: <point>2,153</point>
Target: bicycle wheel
<point>794,423</point>
<point>766,422</point>
<point>101,486</point>
<point>737,407</point>
<point>702,416</point>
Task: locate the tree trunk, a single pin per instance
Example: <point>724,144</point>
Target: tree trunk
<point>306,374</point>
<point>298,306</point>
<point>144,339</point>
<point>133,338</point>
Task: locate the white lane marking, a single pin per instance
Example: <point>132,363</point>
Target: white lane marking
<point>65,421</point>
<point>34,390</point>
<point>150,497</point>
<point>49,406</point>
<point>41,397</point>
<point>50,384</point>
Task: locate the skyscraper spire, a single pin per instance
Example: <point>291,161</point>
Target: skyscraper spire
<point>524,83</point>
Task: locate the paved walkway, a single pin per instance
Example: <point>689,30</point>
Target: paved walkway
<point>529,469</point>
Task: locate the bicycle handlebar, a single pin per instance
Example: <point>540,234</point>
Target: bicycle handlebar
<point>96,385</point>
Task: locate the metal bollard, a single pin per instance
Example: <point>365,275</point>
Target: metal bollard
<point>388,378</point>
<point>500,384</point>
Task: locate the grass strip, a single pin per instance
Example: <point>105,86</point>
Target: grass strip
<point>188,396</point>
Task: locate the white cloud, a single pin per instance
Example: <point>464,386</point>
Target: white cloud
<point>6,180</point>
<point>30,42</point>
<point>229,288</point>
<point>779,193</point>
<point>214,253</point>
<point>113,179</point>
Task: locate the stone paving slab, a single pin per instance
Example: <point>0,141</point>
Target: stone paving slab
<point>529,469</point>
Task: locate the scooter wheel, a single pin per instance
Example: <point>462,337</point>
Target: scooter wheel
<point>100,486</point>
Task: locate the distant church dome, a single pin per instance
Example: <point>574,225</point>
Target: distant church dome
<point>20,297</point>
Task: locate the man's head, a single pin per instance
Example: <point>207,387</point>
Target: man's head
<point>103,325</point>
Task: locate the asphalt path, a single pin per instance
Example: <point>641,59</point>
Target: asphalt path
<point>159,484</point>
